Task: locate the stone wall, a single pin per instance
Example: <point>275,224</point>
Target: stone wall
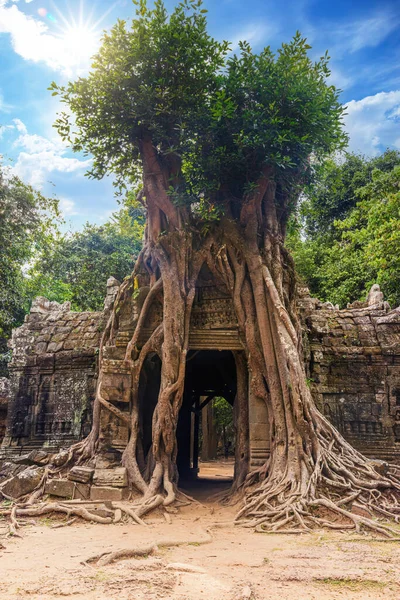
<point>354,372</point>
<point>52,377</point>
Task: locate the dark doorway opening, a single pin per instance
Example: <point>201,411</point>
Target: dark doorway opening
<point>210,386</point>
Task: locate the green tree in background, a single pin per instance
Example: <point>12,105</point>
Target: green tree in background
<point>223,419</point>
<point>368,250</point>
<point>334,192</point>
<point>345,237</point>
<point>28,221</point>
<point>76,267</point>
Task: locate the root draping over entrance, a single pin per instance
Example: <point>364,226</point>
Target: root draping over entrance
<point>313,477</point>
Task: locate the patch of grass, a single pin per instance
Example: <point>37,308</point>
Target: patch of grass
<point>46,521</point>
<point>354,585</point>
<point>318,539</point>
<point>101,576</point>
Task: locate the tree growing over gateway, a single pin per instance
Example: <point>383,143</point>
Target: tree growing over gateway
<point>223,144</point>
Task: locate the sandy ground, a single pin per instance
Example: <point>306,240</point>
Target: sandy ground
<point>48,563</point>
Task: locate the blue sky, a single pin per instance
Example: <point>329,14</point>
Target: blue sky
<point>44,40</point>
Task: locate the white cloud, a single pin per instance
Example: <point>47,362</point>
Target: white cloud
<point>20,126</point>
<point>31,38</point>
<point>363,33</point>
<point>373,122</point>
<point>68,207</point>
<point>4,128</point>
<point>39,157</point>
<point>370,32</point>
<point>34,143</point>
<point>254,34</point>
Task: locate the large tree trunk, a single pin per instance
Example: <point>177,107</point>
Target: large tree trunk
<point>311,466</point>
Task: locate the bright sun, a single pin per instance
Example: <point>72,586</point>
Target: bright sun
<point>75,38</point>
<point>80,42</point>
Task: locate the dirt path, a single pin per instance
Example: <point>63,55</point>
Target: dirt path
<point>46,563</point>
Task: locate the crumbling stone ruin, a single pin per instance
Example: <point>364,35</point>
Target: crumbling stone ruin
<point>52,377</point>
<point>352,360</point>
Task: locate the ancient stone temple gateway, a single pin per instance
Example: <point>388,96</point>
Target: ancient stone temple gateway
<point>352,359</point>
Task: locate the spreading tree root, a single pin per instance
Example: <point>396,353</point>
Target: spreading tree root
<point>107,558</point>
<point>79,509</point>
<point>48,508</point>
<point>344,492</point>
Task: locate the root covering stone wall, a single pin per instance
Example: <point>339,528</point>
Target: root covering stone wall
<point>352,360</point>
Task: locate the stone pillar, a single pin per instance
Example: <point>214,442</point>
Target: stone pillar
<point>259,431</point>
<point>113,286</point>
<point>209,438</point>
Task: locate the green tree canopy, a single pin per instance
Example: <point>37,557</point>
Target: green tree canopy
<point>37,260</point>
<point>217,119</point>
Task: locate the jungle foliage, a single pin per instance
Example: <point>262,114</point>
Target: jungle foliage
<point>76,266</point>
<point>345,236</point>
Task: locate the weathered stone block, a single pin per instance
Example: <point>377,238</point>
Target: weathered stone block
<point>63,488</point>
<point>8,469</point>
<point>69,345</point>
<point>116,387</point>
<point>108,493</point>
<point>82,491</point>
<point>111,477</point>
<point>54,347</point>
<point>36,457</point>
<point>59,337</point>
<point>23,483</point>
<point>45,361</point>
<point>41,348</point>
<point>81,474</point>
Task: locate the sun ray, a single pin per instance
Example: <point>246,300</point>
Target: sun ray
<point>105,14</point>
<point>59,13</point>
<point>81,13</point>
